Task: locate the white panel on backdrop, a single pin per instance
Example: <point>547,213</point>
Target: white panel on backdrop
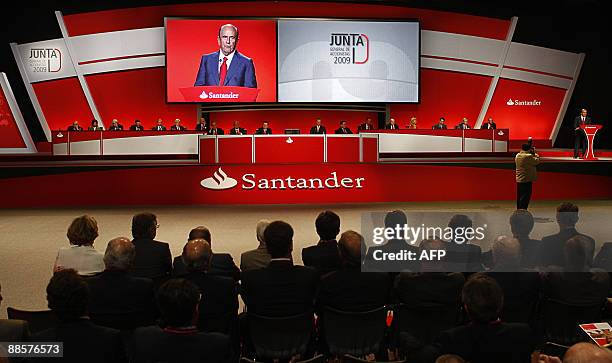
<point>118,44</point>
<point>542,59</point>
<point>46,60</point>
<point>460,46</point>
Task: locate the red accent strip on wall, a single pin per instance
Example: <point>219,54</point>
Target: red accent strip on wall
<point>459,60</point>
<point>121,58</point>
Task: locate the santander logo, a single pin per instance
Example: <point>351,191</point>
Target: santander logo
<point>219,181</point>
<point>510,102</point>
<point>533,102</point>
<point>203,95</point>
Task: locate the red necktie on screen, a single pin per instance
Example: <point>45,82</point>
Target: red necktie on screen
<point>223,71</point>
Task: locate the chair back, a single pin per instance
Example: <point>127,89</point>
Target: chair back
<point>280,337</point>
<point>419,325</point>
<point>355,333</point>
<point>37,320</point>
<point>560,321</point>
<point>351,359</point>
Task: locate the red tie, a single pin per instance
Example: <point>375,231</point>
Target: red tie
<point>223,71</point>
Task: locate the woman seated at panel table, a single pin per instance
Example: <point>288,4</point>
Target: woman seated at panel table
<point>413,123</point>
<point>94,126</point>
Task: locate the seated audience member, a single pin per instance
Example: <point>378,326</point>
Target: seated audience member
<point>449,358</point>
<point>81,255</point>
<point>580,353</point>
<point>576,283</point>
<point>264,129</point>
<point>366,126</point>
<point>432,286</point>
<point>95,126</point>
<point>13,330</point>
<point>115,126</point>
<point>349,289</point>
<point>324,256</point>
<point>222,263</point>
<point>237,130</point>
<point>282,288</point>
<point>117,299</point>
<point>159,125</point>
<point>343,129</point>
<point>603,259</point>
<point>521,225</point>
<point>259,257</point>
<point>137,126</point>
<point>489,124</point>
<point>201,125</point>
<point>84,341</point>
<point>392,125</point>
<point>486,339</point>
<point>318,128</point>
<point>177,126</point>
<point>220,295</point>
<point>520,287</point>
<point>153,259</point>
<point>75,126</point>
<point>395,219</point>
<point>214,130</point>
<point>440,125</point>
<point>179,340</point>
<point>551,249</point>
<point>462,256</point>
<point>413,123</point>
<point>463,124</point>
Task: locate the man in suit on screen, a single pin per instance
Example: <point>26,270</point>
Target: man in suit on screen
<point>579,135</point>
<point>226,67</point>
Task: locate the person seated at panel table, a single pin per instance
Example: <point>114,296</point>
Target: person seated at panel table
<point>95,126</point>
<point>463,124</point>
<point>75,127</point>
<point>366,126</point>
<point>137,126</point>
<point>490,125</point>
<point>214,130</point>
<point>392,125</point>
<point>343,128</point>
<point>201,125</point>
<point>413,123</point>
<point>318,129</point>
<point>264,129</point>
<point>177,126</point>
<point>237,130</point>
<point>440,125</point>
<point>159,125</point>
<point>115,125</point>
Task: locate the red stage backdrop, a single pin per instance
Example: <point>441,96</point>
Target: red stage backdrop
<point>10,137</point>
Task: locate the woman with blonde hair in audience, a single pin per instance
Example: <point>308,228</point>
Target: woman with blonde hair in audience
<point>81,255</point>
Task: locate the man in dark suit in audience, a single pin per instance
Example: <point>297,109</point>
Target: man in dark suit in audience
<point>349,289</point>
<point>281,289</point>
<point>462,256</point>
<point>490,125</point>
<point>219,308</point>
<point>119,300</point>
<point>486,338</point>
<point>259,257</point>
<point>324,256</point>
<point>179,340</point>
<point>521,225</point>
<point>214,130</point>
<point>222,263</point>
<point>264,129</point>
<point>153,259</point>
<point>13,330</point>
<point>237,130</point>
<point>440,125</point>
<point>551,249</point>
<point>343,129</point>
<point>318,129</point>
<point>68,297</point>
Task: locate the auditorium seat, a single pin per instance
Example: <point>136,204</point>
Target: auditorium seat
<point>416,326</point>
<point>560,321</point>
<point>280,337</point>
<point>320,358</point>
<point>37,320</point>
<point>352,359</point>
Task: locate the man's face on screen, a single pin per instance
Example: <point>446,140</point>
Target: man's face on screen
<point>228,38</point>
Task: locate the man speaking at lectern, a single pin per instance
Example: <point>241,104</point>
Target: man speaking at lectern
<point>226,67</point>
<point>580,141</point>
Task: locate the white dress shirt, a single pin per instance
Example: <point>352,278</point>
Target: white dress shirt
<point>84,259</point>
<point>229,59</point>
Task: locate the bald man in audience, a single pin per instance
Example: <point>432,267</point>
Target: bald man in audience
<point>450,358</point>
<point>118,299</point>
<point>219,306</point>
<point>259,257</point>
<point>580,353</point>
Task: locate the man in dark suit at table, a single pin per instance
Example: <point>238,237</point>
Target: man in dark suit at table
<point>490,125</point>
<point>463,124</point>
<point>392,125</point>
<point>237,130</point>
<point>318,129</point>
<point>153,259</point>
<point>214,130</point>
<point>366,126</point>
<point>177,126</point>
<point>201,125</point>
<point>343,130</point>
<point>440,125</point>
<point>137,126</point>
<point>579,135</point>
<point>264,129</point>
<point>115,126</point>
<point>159,125</point>
<point>226,67</point>
<point>75,127</point>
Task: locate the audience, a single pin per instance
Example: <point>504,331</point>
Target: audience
<point>68,297</point>
<point>179,339</point>
<point>81,255</point>
<point>13,330</point>
<point>324,255</point>
<point>449,358</point>
<point>259,257</point>
<point>551,251</point>
<point>117,299</point>
<point>521,225</point>
<point>153,259</point>
<point>581,353</point>
<point>281,288</point>
<point>395,219</point>
<point>462,255</point>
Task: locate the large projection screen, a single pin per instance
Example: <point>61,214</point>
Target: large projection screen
<point>348,61</point>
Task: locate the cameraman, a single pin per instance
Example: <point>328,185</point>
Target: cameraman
<point>526,173</point>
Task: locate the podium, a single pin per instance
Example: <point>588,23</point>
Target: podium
<point>590,132</point>
<point>219,94</point>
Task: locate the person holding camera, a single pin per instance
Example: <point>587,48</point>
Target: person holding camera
<point>526,161</point>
